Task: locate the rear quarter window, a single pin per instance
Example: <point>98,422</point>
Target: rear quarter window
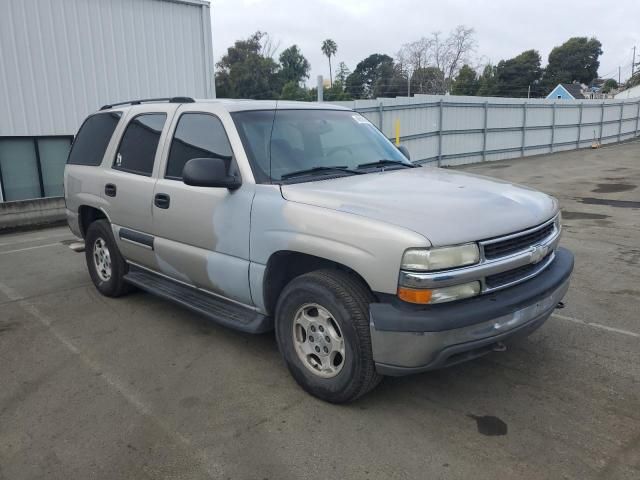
<point>93,138</point>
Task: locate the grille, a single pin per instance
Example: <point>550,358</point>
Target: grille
<point>504,278</point>
<point>516,244</point>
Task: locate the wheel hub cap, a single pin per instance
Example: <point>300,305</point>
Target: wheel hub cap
<point>318,340</point>
<point>102,259</point>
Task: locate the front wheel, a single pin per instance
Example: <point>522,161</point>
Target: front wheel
<point>322,328</point>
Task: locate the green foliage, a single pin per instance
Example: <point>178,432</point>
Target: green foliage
<point>488,82</point>
<point>293,91</point>
<point>466,83</point>
<point>514,76</point>
<point>608,85</point>
<point>576,59</point>
<point>243,72</point>
<point>376,76</point>
<point>294,66</point>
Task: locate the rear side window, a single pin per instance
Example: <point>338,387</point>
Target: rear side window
<point>139,143</point>
<point>92,139</point>
<point>198,135</point>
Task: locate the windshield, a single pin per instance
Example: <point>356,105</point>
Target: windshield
<point>282,143</point>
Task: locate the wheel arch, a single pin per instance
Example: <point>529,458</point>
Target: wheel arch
<point>87,215</point>
<point>285,265</point>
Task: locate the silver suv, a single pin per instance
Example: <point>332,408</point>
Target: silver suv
<point>305,219</point>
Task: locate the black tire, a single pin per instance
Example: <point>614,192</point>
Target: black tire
<point>115,286</point>
<point>347,299</point>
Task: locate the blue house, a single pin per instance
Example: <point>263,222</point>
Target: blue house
<point>566,91</point>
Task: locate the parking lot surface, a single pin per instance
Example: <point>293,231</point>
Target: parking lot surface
<point>139,388</point>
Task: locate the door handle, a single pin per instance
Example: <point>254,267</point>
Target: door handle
<point>162,200</point>
<point>110,190</point>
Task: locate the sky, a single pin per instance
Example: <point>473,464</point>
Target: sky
<point>504,28</point>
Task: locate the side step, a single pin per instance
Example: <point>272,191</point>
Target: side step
<point>220,311</point>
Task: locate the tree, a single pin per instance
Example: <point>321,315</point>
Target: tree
<point>343,73</point>
<point>376,76</point>
<point>244,72</point>
<point>608,85</point>
<point>466,83</point>
<point>488,84</point>
<point>329,49</point>
<point>294,67</point>
<point>427,80</point>
<point>576,59</point>
<point>514,76</point>
<point>445,54</point>
<point>293,91</point>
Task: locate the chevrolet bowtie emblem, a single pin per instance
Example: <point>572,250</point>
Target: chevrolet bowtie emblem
<point>537,253</point>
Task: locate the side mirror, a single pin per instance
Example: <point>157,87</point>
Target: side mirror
<point>404,151</point>
<point>209,172</point>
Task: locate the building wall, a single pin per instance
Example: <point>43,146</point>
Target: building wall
<point>633,92</point>
<point>61,60</point>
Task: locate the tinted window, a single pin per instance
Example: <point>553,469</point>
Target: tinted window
<point>139,144</point>
<point>93,138</point>
<point>198,135</point>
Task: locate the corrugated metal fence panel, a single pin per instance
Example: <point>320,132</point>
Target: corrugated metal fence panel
<point>476,128</point>
<point>63,59</point>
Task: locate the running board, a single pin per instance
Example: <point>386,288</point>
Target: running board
<point>221,311</point>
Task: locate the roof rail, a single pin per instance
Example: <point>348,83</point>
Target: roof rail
<point>149,100</point>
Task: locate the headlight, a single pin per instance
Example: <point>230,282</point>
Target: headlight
<point>439,295</point>
<point>427,259</point>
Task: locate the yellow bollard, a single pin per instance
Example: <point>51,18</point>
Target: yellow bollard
<point>397,132</point>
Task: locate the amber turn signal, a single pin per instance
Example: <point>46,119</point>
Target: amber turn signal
<point>414,296</point>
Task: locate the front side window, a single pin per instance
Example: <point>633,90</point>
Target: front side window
<point>139,143</point>
<point>197,135</point>
<point>282,143</point>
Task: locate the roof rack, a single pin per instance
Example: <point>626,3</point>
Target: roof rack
<point>148,100</point>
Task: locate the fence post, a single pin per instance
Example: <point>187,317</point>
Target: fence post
<point>524,128</point>
<point>620,121</point>
<point>601,123</point>
<point>440,133</point>
<point>579,127</point>
<point>320,91</point>
<point>380,113</point>
<point>553,126</point>
<point>637,118</point>
<point>484,131</point>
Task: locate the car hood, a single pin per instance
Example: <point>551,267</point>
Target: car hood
<point>447,207</point>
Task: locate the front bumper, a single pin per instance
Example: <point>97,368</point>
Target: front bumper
<point>409,340</point>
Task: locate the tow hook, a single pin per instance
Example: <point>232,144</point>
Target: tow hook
<point>560,305</point>
<point>499,347</point>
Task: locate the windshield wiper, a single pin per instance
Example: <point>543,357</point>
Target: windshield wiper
<point>384,163</point>
<point>317,170</point>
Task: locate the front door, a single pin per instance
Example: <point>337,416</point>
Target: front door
<point>202,234</point>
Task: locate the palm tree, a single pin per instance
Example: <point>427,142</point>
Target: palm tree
<point>329,48</point>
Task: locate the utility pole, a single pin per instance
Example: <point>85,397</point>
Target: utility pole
<point>633,61</point>
<point>619,68</point>
<point>529,91</point>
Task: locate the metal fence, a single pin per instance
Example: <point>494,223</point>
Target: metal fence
<point>453,130</point>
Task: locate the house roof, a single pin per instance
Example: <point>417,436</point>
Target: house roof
<point>575,89</point>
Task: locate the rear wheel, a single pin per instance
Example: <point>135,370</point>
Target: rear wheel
<point>322,328</point>
<point>106,266</point>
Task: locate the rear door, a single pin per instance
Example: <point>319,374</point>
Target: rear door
<point>130,178</point>
<point>201,233</point>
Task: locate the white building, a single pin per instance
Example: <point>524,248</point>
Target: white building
<point>62,59</point>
